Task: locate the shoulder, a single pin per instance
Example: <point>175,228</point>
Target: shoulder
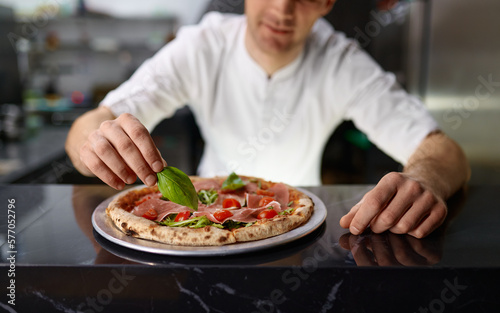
<point>325,41</point>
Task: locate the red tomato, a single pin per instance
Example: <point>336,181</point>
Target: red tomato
<point>222,215</point>
<point>151,214</point>
<point>267,214</point>
<point>265,201</point>
<point>182,216</point>
<point>263,192</point>
<point>231,203</point>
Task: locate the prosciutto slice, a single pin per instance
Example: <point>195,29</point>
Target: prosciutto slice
<point>206,184</point>
<point>281,194</point>
<point>244,215</point>
<point>162,207</point>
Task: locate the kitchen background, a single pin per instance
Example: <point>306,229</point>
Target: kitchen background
<point>59,58</point>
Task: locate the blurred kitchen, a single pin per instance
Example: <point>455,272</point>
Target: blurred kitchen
<point>59,58</point>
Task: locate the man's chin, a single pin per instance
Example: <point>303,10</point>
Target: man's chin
<point>277,47</point>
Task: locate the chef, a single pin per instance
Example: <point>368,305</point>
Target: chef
<point>267,90</point>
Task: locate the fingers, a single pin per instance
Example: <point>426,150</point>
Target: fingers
<point>142,140</point>
<point>122,150</point>
<point>373,202</point>
<point>127,150</point>
<point>346,220</point>
<point>99,168</point>
<point>399,204</point>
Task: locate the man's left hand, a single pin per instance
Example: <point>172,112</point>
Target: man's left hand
<point>400,204</point>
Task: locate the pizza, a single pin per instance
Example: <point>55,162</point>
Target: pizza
<point>255,210</point>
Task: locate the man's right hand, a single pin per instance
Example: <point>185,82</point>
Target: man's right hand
<point>117,151</point>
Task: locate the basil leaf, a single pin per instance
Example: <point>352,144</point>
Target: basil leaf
<point>232,182</point>
<point>176,186</point>
<point>208,196</point>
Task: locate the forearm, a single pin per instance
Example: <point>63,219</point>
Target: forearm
<point>440,164</point>
<point>79,133</point>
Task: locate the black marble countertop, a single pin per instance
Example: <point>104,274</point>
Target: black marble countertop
<point>60,264</point>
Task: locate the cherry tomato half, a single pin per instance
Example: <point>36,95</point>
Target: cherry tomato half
<point>267,214</point>
<point>263,192</point>
<point>222,215</point>
<point>231,203</point>
<point>182,216</point>
<point>265,201</point>
<point>151,214</point>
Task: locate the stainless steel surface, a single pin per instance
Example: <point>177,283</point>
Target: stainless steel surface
<point>463,85</point>
<point>105,227</point>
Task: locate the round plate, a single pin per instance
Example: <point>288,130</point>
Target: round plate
<point>105,227</point>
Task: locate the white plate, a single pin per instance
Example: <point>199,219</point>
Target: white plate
<point>105,227</point>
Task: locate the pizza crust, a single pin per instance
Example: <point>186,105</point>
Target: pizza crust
<point>139,227</point>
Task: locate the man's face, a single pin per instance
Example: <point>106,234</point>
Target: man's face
<point>280,26</point>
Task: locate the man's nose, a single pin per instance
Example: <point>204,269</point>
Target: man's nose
<point>284,7</point>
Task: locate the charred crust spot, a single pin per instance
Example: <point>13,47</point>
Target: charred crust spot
<point>222,239</point>
<point>153,231</point>
<point>124,225</point>
<point>131,232</point>
<point>208,237</point>
<point>251,235</point>
<point>207,228</point>
<point>184,234</point>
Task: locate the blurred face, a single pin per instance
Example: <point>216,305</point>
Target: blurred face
<point>281,26</point>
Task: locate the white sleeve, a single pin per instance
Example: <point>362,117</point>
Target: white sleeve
<point>393,120</point>
<point>170,79</point>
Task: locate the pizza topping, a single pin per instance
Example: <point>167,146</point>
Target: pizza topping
<point>231,203</point>
<point>206,184</point>
<point>194,222</point>
<point>150,214</point>
<point>162,207</point>
<point>208,196</point>
<point>232,182</point>
<point>243,215</point>
<point>287,211</point>
<point>142,200</point>
<point>263,192</point>
<point>268,213</point>
<point>182,216</point>
<point>176,186</point>
<point>265,201</point>
<point>222,215</point>
<point>281,194</point>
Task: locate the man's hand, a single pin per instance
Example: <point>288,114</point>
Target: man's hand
<point>413,202</point>
<point>115,150</point>
<point>399,204</point>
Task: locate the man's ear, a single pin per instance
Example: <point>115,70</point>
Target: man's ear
<point>328,7</point>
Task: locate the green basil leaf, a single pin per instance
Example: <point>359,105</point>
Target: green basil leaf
<point>176,186</point>
<point>232,182</point>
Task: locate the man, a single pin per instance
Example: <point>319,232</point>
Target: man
<point>267,89</point>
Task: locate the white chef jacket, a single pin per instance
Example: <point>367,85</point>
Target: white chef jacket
<point>277,127</point>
